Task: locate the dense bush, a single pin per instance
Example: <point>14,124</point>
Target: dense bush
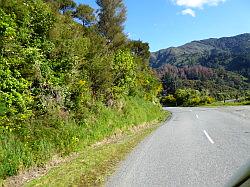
<point>187,97</point>
<point>65,85</point>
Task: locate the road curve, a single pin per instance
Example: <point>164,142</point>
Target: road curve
<point>197,147</point>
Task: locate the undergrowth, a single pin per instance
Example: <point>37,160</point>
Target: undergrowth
<point>35,144</point>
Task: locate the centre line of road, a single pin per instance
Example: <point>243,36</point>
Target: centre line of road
<point>197,116</point>
<point>208,137</point>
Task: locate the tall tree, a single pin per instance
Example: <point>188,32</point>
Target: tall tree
<point>140,49</point>
<point>85,13</point>
<point>66,5</point>
<point>62,5</point>
<point>112,15</point>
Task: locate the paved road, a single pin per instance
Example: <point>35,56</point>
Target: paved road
<point>197,147</point>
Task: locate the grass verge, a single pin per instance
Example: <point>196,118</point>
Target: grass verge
<point>94,164</point>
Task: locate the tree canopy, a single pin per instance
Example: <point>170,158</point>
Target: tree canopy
<point>85,13</point>
<point>112,15</point>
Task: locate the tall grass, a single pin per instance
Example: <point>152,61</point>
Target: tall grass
<point>38,140</point>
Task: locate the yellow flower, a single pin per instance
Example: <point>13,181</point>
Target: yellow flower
<point>82,82</point>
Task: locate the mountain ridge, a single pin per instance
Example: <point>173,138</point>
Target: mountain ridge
<point>198,41</point>
<point>231,53</point>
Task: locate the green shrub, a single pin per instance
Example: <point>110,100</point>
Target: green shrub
<point>187,97</point>
<point>168,100</point>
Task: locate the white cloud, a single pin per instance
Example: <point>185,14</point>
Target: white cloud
<point>188,11</point>
<point>198,3</point>
<point>190,5</point>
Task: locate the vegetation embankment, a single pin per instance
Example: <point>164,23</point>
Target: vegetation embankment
<point>69,78</point>
<point>94,164</point>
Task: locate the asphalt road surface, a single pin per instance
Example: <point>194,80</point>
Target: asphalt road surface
<point>196,147</point>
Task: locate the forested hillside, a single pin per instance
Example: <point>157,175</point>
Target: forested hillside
<point>220,67</point>
<point>69,77</point>
<point>231,53</point>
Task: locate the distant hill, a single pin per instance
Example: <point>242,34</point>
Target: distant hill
<point>231,53</point>
<point>217,65</point>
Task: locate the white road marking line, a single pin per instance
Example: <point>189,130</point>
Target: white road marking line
<point>191,110</point>
<point>208,137</point>
<point>197,116</point>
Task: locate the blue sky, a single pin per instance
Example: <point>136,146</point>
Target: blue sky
<point>165,23</point>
